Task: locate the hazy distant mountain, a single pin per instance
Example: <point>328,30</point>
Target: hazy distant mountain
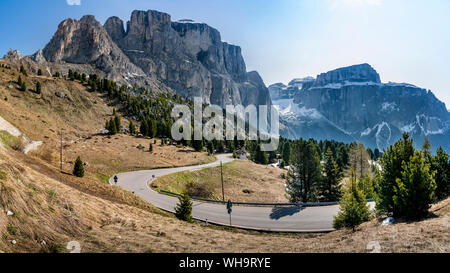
<point>351,104</point>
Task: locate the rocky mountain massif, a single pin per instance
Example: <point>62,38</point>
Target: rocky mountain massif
<point>184,57</point>
<point>352,104</point>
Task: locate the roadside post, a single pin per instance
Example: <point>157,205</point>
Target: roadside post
<point>230,209</point>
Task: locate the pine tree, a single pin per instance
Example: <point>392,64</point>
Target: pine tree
<point>39,72</point>
<point>330,188</point>
<point>441,166</point>
<point>112,127</point>
<point>71,75</point>
<point>78,169</point>
<point>150,149</point>
<point>304,174</point>
<point>183,210</point>
<point>23,86</point>
<point>426,150</point>
<point>144,128</point>
<point>359,159</point>
<point>391,164</point>
<point>198,145</point>
<point>23,71</point>
<point>132,128</point>
<point>353,209</point>
<point>365,184</point>
<point>117,122</point>
<point>38,88</point>
<point>415,189</point>
<point>19,81</point>
<point>210,147</point>
<point>153,129</point>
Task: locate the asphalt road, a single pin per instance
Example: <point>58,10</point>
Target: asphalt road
<point>279,219</point>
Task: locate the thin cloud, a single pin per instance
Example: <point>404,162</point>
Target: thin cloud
<point>73,2</point>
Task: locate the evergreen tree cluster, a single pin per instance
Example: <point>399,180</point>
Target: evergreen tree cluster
<point>5,66</point>
<point>113,125</point>
<point>411,180</point>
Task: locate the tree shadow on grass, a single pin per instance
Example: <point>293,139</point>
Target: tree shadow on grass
<point>280,212</point>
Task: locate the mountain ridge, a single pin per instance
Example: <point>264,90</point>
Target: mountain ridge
<point>354,105</point>
<point>184,57</point>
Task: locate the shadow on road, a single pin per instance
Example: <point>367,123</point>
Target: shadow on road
<point>280,212</point>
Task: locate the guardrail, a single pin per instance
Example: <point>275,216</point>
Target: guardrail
<point>309,204</point>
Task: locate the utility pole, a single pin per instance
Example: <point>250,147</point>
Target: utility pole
<point>61,153</point>
<point>221,178</point>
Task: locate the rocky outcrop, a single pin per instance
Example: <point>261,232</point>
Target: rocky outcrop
<point>13,55</point>
<point>353,105</point>
<point>87,42</point>
<point>355,73</point>
<point>281,91</point>
<point>38,57</point>
<point>186,57</point>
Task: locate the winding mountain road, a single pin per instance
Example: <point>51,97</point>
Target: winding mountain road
<point>277,219</point>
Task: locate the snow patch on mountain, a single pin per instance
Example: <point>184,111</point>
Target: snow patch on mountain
<point>389,107</point>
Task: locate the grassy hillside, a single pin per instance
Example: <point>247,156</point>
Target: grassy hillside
<point>244,181</point>
<point>50,209</point>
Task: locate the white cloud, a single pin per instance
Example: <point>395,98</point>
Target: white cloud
<point>73,2</point>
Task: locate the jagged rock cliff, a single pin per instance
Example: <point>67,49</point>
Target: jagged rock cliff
<point>185,57</point>
<point>351,104</point>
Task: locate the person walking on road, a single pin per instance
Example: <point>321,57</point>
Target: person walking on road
<point>116,179</point>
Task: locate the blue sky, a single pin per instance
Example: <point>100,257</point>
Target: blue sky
<point>404,40</point>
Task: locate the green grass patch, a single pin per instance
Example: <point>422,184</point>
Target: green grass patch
<point>104,178</point>
<point>7,139</point>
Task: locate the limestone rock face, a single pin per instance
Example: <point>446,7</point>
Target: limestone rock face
<point>38,57</point>
<point>13,55</point>
<point>188,57</point>
<point>87,42</point>
<point>355,73</point>
<point>351,104</point>
<point>185,57</point>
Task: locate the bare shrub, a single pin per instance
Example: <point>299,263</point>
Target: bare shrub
<point>202,190</point>
<point>19,145</point>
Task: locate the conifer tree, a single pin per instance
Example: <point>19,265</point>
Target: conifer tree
<point>353,209</point>
<point>304,174</point>
<point>132,128</point>
<point>415,189</point>
<point>38,88</point>
<point>78,169</point>
<point>441,166</point>
<point>117,122</point>
<point>39,72</point>
<point>153,129</point>
<point>183,210</point>
<point>19,81</point>
<point>144,128</point>
<point>23,71</point>
<point>330,187</point>
<point>71,75</point>
<point>391,170</point>
<point>210,147</point>
<point>197,145</point>
<point>23,86</point>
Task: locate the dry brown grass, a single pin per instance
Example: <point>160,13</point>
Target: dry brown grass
<point>80,115</point>
<point>244,181</point>
<point>58,208</point>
